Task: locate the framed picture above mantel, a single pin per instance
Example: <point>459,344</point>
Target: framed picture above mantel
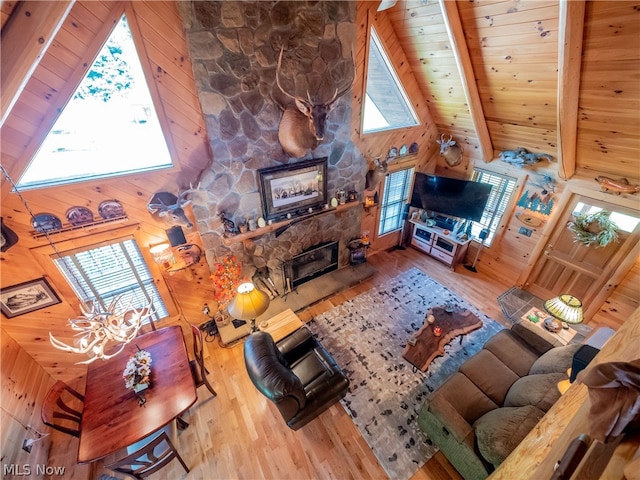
<point>293,189</point>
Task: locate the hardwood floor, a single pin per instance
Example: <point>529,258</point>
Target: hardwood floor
<point>240,435</point>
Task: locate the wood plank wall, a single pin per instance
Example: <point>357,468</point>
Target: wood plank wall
<point>380,143</point>
<point>609,119</point>
<point>422,34</point>
<point>24,385</point>
<point>158,25</point>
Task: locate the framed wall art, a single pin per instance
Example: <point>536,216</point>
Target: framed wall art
<point>293,189</point>
<point>27,297</point>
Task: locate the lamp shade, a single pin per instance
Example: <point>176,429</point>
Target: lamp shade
<point>162,255</point>
<point>566,308</point>
<point>249,303</point>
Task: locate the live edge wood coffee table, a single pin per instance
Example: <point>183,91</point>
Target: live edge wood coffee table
<point>428,346</point>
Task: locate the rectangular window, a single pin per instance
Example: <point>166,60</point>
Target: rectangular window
<point>498,200</point>
<point>106,271</point>
<point>394,199</point>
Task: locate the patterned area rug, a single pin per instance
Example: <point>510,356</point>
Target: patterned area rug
<point>366,336</point>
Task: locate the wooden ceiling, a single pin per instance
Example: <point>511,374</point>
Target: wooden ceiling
<point>503,74</point>
<point>500,74</point>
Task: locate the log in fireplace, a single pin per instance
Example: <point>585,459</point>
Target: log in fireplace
<point>310,263</point>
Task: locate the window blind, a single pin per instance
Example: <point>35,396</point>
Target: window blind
<point>396,193</point>
<point>499,198</point>
<point>103,273</point>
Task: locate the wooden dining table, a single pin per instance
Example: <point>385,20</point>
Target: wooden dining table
<point>112,419</point>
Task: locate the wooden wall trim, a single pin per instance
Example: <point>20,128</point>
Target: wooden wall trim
<point>571,29</point>
<point>455,32</point>
<point>41,21</point>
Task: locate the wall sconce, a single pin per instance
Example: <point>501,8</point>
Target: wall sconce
<point>187,254</point>
<point>163,255</point>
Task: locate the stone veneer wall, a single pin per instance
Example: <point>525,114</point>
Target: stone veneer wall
<point>234,48</point>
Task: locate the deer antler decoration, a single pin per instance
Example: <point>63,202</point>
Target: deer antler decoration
<point>98,329</point>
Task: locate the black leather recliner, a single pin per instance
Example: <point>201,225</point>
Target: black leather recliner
<point>297,374</point>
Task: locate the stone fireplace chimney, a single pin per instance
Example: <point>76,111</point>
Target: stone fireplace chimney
<point>234,48</point>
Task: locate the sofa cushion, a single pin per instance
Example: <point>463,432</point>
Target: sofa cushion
<point>556,360</point>
<point>500,431</point>
<point>512,351</point>
<point>490,375</point>
<point>463,396</point>
<point>538,390</point>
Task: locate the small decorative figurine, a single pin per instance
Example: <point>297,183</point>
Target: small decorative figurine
<point>521,157</point>
<point>229,225</point>
<point>619,186</point>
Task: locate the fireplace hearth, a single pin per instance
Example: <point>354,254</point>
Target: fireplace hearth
<point>310,263</point>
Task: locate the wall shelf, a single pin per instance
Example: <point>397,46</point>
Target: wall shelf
<point>85,226</point>
<point>241,237</point>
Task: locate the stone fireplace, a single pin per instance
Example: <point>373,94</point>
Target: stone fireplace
<point>311,263</point>
<point>234,49</point>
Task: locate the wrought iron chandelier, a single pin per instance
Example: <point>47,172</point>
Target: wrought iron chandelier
<point>103,334</point>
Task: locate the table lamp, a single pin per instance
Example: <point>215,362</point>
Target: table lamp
<point>249,303</point>
<point>565,308</point>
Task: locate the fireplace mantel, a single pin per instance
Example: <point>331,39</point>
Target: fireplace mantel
<point>241,237</point>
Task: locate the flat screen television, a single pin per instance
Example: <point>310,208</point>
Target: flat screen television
<point>450,196</point>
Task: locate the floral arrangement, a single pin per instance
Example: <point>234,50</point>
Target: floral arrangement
<point>225,279</point>
<point>595,228</point>
<point>138,370</point>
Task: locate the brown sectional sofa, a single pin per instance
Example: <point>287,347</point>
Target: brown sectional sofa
<point>481,413</point>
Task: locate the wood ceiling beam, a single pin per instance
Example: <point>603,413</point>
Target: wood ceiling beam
<point>455,32</point>
<point>25,38</point>
<point>570,32</point>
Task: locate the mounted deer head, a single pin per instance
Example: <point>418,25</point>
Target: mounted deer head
<point>303,127</point>
<point>167,208</point>
<point>375,175</point>
<point>450,150</point>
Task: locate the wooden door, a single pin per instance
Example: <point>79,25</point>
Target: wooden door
<point>566,266</point>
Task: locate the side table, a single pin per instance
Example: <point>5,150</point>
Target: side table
<point>281,325</point>
<point>564,336</point>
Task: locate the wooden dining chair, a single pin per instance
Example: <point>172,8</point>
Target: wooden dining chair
<point>198,370</point>
<point>148,456</point>
<point>61,411</point>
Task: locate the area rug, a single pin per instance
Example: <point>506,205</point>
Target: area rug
<point>366,335</point>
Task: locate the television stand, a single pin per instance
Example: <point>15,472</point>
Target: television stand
<point>433,241</point>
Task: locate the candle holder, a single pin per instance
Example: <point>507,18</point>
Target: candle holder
<point>437,331</point>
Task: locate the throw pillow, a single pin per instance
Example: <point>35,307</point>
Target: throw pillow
<point>556,360</point>
<point>538,390</point>
<point>501,430</point>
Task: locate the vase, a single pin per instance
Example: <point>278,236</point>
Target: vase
<point>221,319</point>
<point>139,389</point>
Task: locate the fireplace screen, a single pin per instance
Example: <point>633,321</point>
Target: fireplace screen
<point>310,264</point>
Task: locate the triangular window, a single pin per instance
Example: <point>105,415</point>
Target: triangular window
<point>109,127</point>
<point>386,105</point>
